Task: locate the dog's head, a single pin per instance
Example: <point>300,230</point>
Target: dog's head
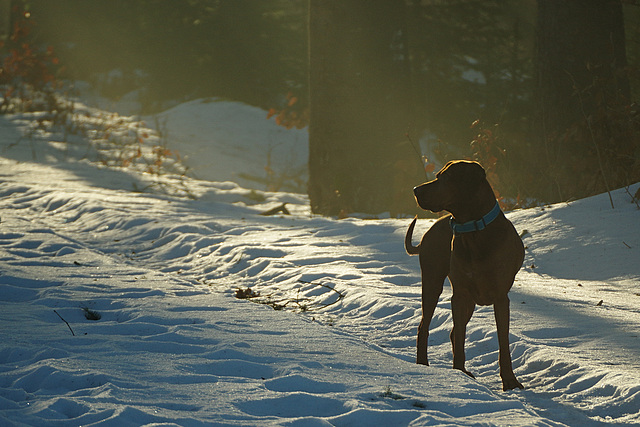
<point>456,184</point>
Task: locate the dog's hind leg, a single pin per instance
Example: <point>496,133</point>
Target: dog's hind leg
<point>435,255</point>
<point>431,290</point>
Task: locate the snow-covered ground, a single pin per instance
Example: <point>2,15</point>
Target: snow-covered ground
<point>223,140</point>
<point>119,308</point>
<point>265,155</point>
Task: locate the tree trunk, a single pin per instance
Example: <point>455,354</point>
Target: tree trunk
<point>580,61</point>
<point>360,159</point>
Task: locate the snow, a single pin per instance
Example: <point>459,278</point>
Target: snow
<point>207,126</point>
<point>174,346</point>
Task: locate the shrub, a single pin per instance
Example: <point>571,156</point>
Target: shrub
<point>25,66</point>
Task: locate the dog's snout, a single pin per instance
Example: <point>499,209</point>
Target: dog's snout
<point>427,196</point>
<point>418,189</point>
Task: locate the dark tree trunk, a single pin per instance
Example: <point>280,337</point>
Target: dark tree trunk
<point>580,61</point>
<point>360,159</point>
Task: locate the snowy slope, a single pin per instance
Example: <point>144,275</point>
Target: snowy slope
<point>224,140</point>
<point>173,345</point>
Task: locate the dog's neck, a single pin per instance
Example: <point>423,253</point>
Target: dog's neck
<point>475,225</point>
<point>476,208</point>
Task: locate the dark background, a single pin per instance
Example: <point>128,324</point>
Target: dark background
<point>459,78</point>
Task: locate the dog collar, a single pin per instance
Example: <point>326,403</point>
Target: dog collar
<point>478,225</point>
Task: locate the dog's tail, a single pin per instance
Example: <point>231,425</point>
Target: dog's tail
<point>408,246</point>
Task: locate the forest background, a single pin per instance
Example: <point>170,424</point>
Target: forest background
<point>542,93</point>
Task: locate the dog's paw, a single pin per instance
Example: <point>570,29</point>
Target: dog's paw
<point>466,372</point>
<point>510,384</point>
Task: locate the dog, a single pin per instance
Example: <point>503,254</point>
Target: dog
<point>477,247</point>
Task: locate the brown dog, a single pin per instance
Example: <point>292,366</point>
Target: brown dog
<point>477,247</point>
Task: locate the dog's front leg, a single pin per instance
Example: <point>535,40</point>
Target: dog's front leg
<point>502,312</point>
<point>462,307</point>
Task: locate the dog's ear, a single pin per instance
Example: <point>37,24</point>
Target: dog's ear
<point>449,163</point>
<point>478,170</point>
<point>473,176</point>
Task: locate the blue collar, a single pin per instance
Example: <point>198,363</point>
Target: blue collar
<point>478,225</point>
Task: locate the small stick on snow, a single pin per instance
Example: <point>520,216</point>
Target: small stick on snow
<point>65,322</point>
<point>280,209</point>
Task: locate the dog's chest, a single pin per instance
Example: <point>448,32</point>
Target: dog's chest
<point>475,276</point>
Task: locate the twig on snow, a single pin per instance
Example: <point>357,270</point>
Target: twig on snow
<point>68,326</point>
<point>279,209</point>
